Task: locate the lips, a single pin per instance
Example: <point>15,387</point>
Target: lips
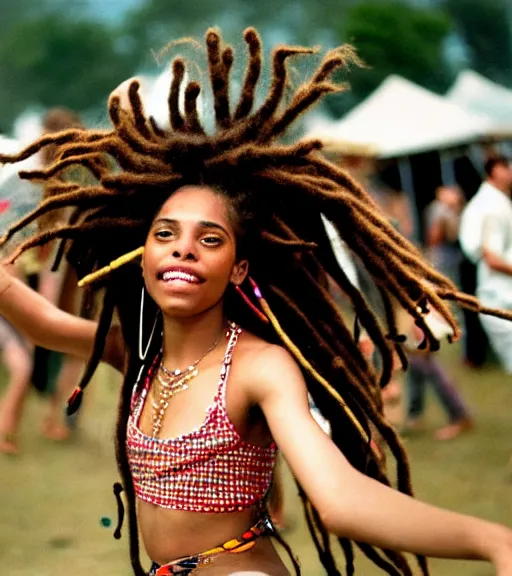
<point>180,274</point>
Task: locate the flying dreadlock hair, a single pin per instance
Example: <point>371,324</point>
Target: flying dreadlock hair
<point>277,194</point>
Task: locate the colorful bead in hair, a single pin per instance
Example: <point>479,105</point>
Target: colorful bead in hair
<point>117,263</point>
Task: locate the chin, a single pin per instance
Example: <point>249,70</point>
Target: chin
<point>186,309</point>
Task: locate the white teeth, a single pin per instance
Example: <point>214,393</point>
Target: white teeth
<point>177,275</point>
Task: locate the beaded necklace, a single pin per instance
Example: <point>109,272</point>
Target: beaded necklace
<point>171,383</point>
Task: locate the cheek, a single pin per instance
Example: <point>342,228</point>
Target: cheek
<point>218,269</point>
<point>150,261</point>
<point>224,263</point>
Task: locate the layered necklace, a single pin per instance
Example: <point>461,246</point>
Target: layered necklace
<point>172,382</point>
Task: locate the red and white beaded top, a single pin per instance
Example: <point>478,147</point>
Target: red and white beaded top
<point>210,469</point>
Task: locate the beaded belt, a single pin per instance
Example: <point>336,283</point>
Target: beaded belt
<point>185,566</point>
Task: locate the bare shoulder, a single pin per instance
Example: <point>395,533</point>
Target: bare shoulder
<point>267,368</point>
<point>262,355</point>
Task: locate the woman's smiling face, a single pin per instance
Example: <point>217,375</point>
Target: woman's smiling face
<point>190,252</point>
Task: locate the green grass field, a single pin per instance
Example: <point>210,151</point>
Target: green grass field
<point>53,497</point>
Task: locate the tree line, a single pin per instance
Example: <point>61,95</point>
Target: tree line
<point>54,52</point>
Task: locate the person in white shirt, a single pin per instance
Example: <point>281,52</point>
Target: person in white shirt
<point>485,236</point>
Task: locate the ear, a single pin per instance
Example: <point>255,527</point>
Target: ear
<point>239,272</point>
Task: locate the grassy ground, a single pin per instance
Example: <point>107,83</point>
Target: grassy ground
<point>53,497</point>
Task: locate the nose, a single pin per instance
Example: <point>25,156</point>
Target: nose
<point>184,249</point>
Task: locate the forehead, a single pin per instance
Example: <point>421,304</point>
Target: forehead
<point>195,203</point>
<point>502,165</point>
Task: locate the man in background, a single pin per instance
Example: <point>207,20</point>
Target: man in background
<point>486,239</point>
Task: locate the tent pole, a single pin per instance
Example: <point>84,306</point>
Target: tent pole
<point>407,185</point>
<point>477,157</point>
<point>447,169</point>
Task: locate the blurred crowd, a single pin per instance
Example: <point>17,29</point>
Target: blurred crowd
<point>52,374</point>
<point>468,238</point>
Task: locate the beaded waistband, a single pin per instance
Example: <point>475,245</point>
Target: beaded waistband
<point>185,566</point>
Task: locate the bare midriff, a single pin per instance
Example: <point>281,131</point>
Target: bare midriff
<point>171,534</point>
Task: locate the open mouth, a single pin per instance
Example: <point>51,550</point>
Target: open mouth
<point>174,275</point>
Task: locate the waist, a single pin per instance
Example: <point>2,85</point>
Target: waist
<point>493,286</point>
<point>246,541</point>
<point>170,534</point>
<point>495,294</point>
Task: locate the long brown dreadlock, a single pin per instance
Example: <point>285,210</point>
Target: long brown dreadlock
<point>277,194</point>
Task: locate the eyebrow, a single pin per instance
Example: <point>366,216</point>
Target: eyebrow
<point>202,224</point>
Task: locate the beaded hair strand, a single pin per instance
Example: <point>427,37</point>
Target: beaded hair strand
<point>136,165</point>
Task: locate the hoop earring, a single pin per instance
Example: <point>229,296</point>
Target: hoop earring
<point>245,298</point>
<point>142,355</point>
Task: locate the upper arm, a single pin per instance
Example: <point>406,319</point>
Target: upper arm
<point>73,335</point>
<point>434,223</point>
<point>435,233</point>
<point>280,391</point>
<point>495,234</point>
<point>495,243</point>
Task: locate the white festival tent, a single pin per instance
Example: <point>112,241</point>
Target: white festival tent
<point>401,118</point>
<point>18,197</point>
<point>154,93</point>
<point>477,94</point>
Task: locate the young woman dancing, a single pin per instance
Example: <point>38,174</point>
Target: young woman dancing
<point>210,251</point>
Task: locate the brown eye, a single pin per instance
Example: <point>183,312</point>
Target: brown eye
<point>211,240</point>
